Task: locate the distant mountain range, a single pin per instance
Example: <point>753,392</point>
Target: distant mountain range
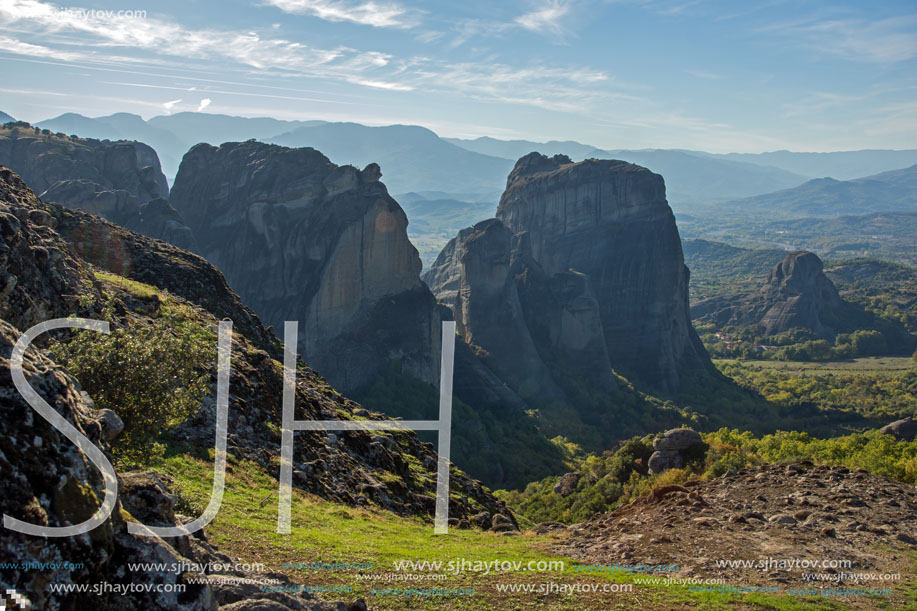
<point>841,165</point>
<point>5,118</point>
<point>894,191</point>
<point>412,158</point>
<point>690,177</point>
<point>467,172</point>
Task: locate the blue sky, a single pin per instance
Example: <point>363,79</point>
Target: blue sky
<point>698,74</point>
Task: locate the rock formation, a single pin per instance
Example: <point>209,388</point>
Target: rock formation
<point>302,239</point>
<point>598,272</point>
<point>524,320</point>
<point>674,449</point>
<point>902,430</point>
<point>797,294</point>
<point>120,181</point>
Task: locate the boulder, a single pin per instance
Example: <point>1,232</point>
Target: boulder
<point>678,440</point>
<point>663,460</point>
<point>902,430</point>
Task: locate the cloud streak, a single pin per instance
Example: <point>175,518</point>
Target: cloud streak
<point>883,41</point>
<point>546,18</point>
<point>376,14</point>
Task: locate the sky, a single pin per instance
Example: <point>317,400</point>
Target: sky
<point>719,76</point>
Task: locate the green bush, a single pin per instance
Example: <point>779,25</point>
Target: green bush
<point>152,374</point>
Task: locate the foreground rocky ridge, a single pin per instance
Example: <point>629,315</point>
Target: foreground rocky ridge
<point>779,512</point>
<point>50,259</point>
<point>121,181</point>
<point>300,238</point>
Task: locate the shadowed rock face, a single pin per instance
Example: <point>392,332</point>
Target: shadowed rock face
<point>300,238</point>
<point>527,323</point>
<point>609,220</point>
<point>114,180</point>
<point>797,294</point>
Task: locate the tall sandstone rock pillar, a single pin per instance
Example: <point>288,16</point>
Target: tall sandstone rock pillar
<point>300,238</point>
<point>610,221</point>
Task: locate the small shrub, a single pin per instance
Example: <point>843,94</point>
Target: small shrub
<point>153,375</point>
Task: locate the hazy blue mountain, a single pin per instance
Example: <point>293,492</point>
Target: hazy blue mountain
<point>514,149</point>
<point>5,118</point>
<point>905,178</point>
<point>195,127</point>
<point>841,165</point>
<point>692,178</point>
<point>412,158</point>
<point>894,191</point>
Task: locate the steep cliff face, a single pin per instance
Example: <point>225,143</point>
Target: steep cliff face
<point>609,220</point>
<point>300,238</point>
<point>797,295</point>
<point>114,180</point>
<point>529,324</point>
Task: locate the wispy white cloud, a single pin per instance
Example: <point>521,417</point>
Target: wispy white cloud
<point>168,105</point>
<point>204,104</point>
<point>889,40</point>
<point>18,47</point>
<point>545,18</point>
<point>548,87</point>
<point>376,14</point>
<point>93,39</point>
<point>566,88</point>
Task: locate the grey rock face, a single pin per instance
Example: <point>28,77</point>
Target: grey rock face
<point>115,180</point>
<point>674,449</point>
<point>302,239</point>
<point>797,294</point>
<point>610,221</point>
<point>603,236</point>
<point>678,440</point>
<point>902,430</point>
<point>520,319</point>
<point>663,460</point>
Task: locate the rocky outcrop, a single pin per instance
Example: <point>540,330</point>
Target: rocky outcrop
<point>599,272</point>
<point>769,511</point>
<point>902,430</point>
<point>525,325</point>
<point>674,449</point>
<point>120,181</point>
<point>797,295</point>
<point>300,238</point>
